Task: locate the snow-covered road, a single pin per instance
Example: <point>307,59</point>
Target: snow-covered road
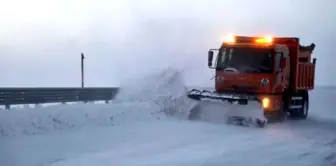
<point>133,132</point>
<point>175,142</point>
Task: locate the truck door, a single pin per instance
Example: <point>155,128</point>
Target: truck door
<point>280,72</point>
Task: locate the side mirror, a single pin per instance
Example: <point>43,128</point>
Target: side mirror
<point>210,57</point>
<point>283,62</point>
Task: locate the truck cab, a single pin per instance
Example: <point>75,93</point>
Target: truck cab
<point>250,67</point>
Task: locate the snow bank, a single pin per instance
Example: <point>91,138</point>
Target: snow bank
<point>42,120</point>
<point>142,99</point>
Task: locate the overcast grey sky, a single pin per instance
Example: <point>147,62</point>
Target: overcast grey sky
<point>41,40</point>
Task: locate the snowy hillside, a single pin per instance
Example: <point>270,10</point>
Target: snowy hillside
<point>146,126</point>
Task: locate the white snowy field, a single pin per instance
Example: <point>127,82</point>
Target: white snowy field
<point>146,126</point>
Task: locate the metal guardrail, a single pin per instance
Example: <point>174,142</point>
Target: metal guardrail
<point>22,95</point>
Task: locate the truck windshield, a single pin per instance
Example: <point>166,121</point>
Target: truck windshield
<point>245,60</point>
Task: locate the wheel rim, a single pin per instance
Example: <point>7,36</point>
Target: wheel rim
<point>305,108</point>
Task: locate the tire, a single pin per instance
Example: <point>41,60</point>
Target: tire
<point>301,113</point>
<point>282,112</point>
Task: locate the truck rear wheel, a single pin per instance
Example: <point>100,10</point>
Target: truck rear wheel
<point>304,113</point>
<point>299,105</point>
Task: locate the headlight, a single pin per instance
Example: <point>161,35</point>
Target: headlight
<point>266,102</point>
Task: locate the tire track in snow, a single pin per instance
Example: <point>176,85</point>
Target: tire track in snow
<point>330,159</point>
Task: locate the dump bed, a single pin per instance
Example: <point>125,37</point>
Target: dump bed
<point>305,71</point>
<point>302,66</point>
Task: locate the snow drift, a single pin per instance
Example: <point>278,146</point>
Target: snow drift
<point>149,98</point>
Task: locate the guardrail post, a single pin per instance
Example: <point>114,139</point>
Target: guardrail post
<point>7,107</point>
<point>82,69</point>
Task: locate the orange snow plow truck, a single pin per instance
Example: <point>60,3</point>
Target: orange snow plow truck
<point>276,73</point>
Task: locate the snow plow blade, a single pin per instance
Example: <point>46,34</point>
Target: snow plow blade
<point>243,110</point>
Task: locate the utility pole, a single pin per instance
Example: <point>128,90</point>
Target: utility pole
<point>82,69</point>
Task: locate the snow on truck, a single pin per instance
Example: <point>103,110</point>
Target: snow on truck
<point>271,75</point>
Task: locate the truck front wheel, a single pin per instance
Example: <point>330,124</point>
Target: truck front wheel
<point>276,116</point>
